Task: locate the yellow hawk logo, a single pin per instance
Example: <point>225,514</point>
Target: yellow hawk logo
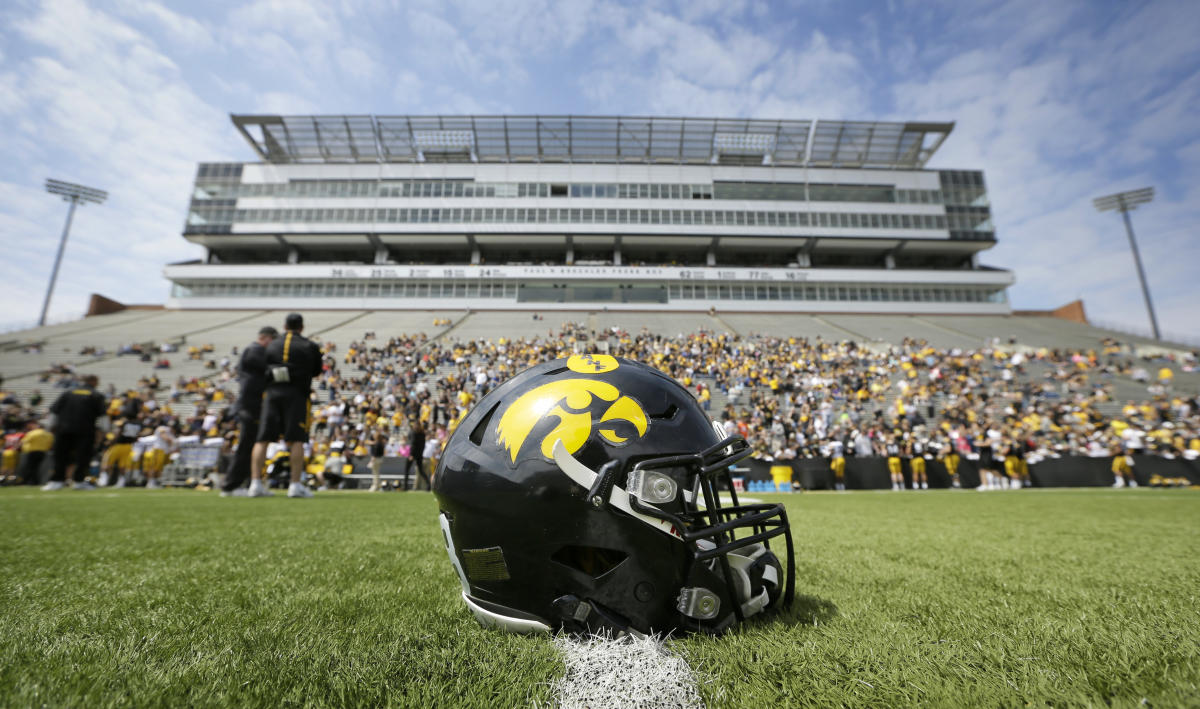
<point>570,401</point>
<point>592,363</point>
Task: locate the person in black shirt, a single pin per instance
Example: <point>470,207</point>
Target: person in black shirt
<point>376,443</point>
<point>247,410</point>
<point>416,456</point>
<point>292,363</point>
<point>75,413</point>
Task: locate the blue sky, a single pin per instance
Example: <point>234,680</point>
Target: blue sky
<point>1058,102</point>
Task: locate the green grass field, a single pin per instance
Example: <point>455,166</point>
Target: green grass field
<point>180,598</point>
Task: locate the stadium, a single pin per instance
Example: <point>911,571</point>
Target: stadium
<point>812,284</point>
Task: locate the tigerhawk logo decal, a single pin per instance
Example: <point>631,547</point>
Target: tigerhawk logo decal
<point>571,401</point>
<point>592,363</point>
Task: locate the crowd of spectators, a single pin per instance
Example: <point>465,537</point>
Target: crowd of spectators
<point>791,397</point>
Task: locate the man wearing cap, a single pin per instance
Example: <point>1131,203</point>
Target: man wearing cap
<point>292,363</point>
<point>247,410</point>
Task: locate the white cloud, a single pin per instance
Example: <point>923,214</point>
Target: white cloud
<point>179,28</point>
<point>101,105</point>
<point>1059,113</point>
<point>284,104</point>
<point>357,64</point>
<point>1058,102</point>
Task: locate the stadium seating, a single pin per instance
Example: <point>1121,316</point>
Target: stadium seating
<point>61,344</point>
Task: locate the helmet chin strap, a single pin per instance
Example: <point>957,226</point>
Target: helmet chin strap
<point>740,561</point>
<point>619,498</point>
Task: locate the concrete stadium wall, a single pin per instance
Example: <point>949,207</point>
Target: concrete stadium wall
<point>872,473</point>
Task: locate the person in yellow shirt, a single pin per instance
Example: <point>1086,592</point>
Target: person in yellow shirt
<point>1122,468</point>
<point>36,443</point>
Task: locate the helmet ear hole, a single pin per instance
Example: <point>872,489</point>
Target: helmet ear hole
<point>593,561</point>
<point>480,430</point>
<point>666,415</point>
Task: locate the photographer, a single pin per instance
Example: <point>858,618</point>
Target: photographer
<point>247,410</point>
<point>292,363</point>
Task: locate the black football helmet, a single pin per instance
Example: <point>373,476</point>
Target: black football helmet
<point>582,495</point>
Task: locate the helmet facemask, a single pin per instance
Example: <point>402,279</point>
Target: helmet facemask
<point>732,573</point>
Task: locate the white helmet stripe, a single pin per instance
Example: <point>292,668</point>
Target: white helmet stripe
<point>505,622</point>
<point>449,541</point>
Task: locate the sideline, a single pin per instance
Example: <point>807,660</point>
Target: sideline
<point>622,672</point>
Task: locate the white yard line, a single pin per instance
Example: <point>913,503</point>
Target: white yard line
<point>627,672</point>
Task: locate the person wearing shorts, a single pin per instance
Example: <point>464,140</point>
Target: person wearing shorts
<point>75,414</point>
<point>293,361</point>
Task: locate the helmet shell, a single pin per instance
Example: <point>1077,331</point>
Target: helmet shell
<point>525,534</point>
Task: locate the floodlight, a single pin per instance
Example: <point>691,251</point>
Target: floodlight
<point>1123,202</point>
<point>75,194</point>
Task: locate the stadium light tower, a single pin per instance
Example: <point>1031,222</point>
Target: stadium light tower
<point>1123,202</point>
<point>75,194</point>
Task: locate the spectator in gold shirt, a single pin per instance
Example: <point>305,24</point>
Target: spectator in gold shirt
<point>34,447</point>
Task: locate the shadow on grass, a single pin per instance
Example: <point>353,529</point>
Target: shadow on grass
<point>807,610</point>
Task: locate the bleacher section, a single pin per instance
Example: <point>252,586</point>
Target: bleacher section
<point>665,324</point>
<point>224,330</point>
<point>492,325</point>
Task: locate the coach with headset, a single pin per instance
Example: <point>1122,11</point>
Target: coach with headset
<point>292,363</point>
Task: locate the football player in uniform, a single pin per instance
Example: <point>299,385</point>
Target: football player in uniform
<point>917,448</point>
<point>837,462</point>
<point>893,450</point>
<point>1122,466</point>
<point>118,458</point>
<point>1010,449</point>
<point>152,453</point>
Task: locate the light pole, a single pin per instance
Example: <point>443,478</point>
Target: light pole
<point>1123,202</point>
<point>74,194</point>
